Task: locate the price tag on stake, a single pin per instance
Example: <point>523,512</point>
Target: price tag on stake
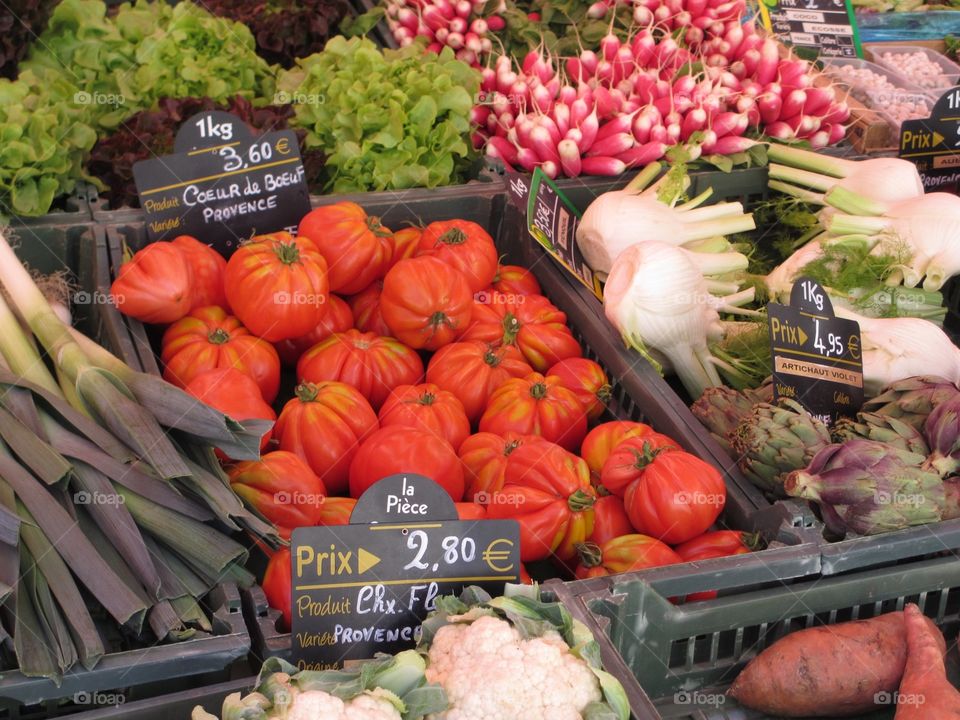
<point>817,357</point>
<point>933,144</point>
<point>366,587</point>
<point>223,185</point>
<point>817,28</point>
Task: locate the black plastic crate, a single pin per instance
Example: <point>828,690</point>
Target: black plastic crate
<point>172,705</point>
<point>680,659</point>
<point>68,211</point>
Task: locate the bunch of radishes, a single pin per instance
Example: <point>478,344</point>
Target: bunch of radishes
<point>624,106</point>
<point>455,23</point>
<point>701,15</point>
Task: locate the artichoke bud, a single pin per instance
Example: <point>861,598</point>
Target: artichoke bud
<point>942,430</point>
<point>912,399</point>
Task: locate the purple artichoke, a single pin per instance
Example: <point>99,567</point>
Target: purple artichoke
<point>942,430</point>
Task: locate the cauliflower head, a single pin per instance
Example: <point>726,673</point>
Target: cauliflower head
<point>490,672</point>
<point>318,705</point>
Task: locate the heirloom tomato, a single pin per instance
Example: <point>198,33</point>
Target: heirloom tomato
<point>630,458</point>
<point>355,245</point>
<point>471,511</point>
<point>207,267</point>
<point>277,286</point>
<point>426,407</point>
<point>609,519</point>
<point>208,338</point>
<point>677,497</point>
<point>536,405</point>
<point>588,380</point>
<point>473,370</point>
<point>716,544</point>
<point>515,280</point>
<point>463,245</point>
<point>601,441</point>
<point>281,487</point>
<point>405,244</point>
<point>425,302</point>
<point>336,511</point>
<point>365,308</point>
<point>531,322</point>
<point>278,584</point>
<point>155,285</point>
<point>484,457</point>
<point>337,320</point>
<point>235,394</point>
<point>372,364</point>
<point>623,554</point>
<point>547,490</point>
<point>324,424</point>
<point>398,449</point>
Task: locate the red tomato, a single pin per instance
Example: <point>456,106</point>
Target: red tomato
<point>281,487</point>
<point>525,576</point>
<point>588,380</point>
<point>600,442</point>
<point>155,285</point>
<point>373,365</point>
<point>471,511</point>
<point>337,320</point>
<point>623,554</point>
<point>365,307</point>
<point>233,393</point>
<point>610,519</point>
<point>356,246</point>
<point>530,322</point>
<point>336,511</point>
<point>547,490</point>
<point>536,405</point>
<point>631,457</point>
<point>277,286</point>
<point>207,267</point>
<point>719,543</point>
<point>325,425</point>
<point>405,243</point>
<point>677,497</point>
<point>463,245</point>
<point>515,280</point>
<point>278,585</point>
<point>425,302</point>
<point>426,407</point>
<point>484,457</point>
<point>473,370</point>
<point>398,449</point>
<point>208,338</point>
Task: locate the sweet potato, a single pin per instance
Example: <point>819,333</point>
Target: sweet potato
<point>837,670</point>
<point>925,693</point>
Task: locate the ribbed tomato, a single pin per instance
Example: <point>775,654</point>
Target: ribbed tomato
<point>207,267</point>
<point>484,457</point>
<point>155,285</point>
<point>536,405</point>
<point>547,490</point>
<point>677,497</point>
<point>463,245</point>
<point>515,280</point>
<point>471,511</point>
<point>208,338</point>
<point>601,440</point>
<point>355,245</point>
<point>623,554</point>
<point>235,394</point>
<point>531,322</point>
<point>716,544</point>
<point>277,286</point>
<point>336,511</point>
<point>425,302</point>
<point>325,424</point>
<point>278,584</point>
<point>610,519</point>
<point>372,364</point>
<point>365,307</point>
<point>631,457</point>
<point>398,449</point>
<point>405,243</point>
<point>338,319</point>
<point>281,487</point>
<point>426,407</point>
<point>588,380</point>
<point>525,576</point>
<point>473,370</point>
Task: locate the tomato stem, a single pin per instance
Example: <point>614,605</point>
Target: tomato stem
<point>307,392</point>
<point>453,236</point>
<point>373,224</point>
<point>491,357</point>
<point>511,328</point>
<point>218,336</point>
<point>647,455</point>
<point>427,398</point>
<point>590,554</point>
<point>605,393</point>
<point>287,252</point>
<point>538,390</point>
<point>580,501</point>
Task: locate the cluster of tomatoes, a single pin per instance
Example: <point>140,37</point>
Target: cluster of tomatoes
<point>416,352</point>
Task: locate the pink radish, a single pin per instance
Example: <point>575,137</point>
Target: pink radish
<point>606,103</point>
<point>602,166</point>
<point>769,106</point>
<point>408,18</point>
<point>598,10</point>
<point>575,135</point>
<point>567,95</point>
<point>769,58</point>
<point>445,7</point>
<point>578,111</point>
<point>673,133</point>
<point>728,123</point>
<point>496,23</point>
<point>569,157</point>
<point>488,79</point>
<point>479,114</point>
<point>472,43</point>
<point>574,69</point>
<point>837,133</point>
<point>503,149</point>
<point>589,127</point>
<point>819,139</point>
<point>433,18</point>
<point>779,130</point>
<point>751,60</point>
<point>731,144</point>
<point>527,158</point>
<point>793,103</point>
<point>479,26</point>
<point>658,133</point>
<point>561,115</point>
<point>458,25</point>
<point>588,61</point>
<point>551,169</point>
<point>641,128</point>
<point>547,123</point>
<point>612,145</point>
<point>640,155</point>
<point>693,36</point>
<point>464,8</point>
<point>692,122</point>
<point>642,15</point>
<point>619,124</point>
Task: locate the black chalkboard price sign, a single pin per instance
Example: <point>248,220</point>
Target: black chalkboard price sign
<point>817,357</point>
<point>366,587</point>
<point>824,28</point>
<point>223,185</point>
<point>933,143</point>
